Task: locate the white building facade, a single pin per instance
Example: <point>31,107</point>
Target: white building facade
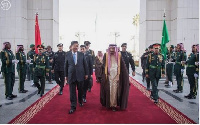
<point>182,19</point>
<point>17,24</point>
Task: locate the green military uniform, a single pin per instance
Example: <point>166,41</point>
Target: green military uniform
<point>178,69</point>
<point>155,64</point>
<point>8,68</point>
<point>148,81</point>
<point>21,68</point>
<point>41,67</point>
<point>170,66</point>
<point>30,56</point>
<point>190,71</point>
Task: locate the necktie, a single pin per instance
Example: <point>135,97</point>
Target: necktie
<point>74,57</point>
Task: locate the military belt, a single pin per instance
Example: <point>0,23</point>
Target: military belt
<point>190,65</point>
<point>42,67</point>
<point>154,67</point>
<point>178,63</point>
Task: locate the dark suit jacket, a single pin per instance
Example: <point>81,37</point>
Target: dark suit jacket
<point>76,72</point>
<point>89,63</point>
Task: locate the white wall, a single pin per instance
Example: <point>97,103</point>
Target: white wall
<point>13,24</point>
<point>182,19</point>
<point>17,25</point>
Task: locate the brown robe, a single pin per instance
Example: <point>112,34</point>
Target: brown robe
<point>98,67</point>
<point>123,85</point>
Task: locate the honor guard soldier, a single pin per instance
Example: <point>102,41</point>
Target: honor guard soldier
<point>128,58</point>
<point>41,68</point>
<point>8,68</point>
<point>154,67</point>
<point>143,63</point>
<point>21,67</point>
<point>170,66</point>
<point>50,54</point>
<point>58,67</point>
<point>90,52</point>
<point>192,73</point>
<point>147,78</point>
<point>30,56</point>
<point>179,67</point>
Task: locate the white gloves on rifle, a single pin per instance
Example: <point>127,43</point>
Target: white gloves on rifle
<point>196,75</point>
<point>28,61</point>
<point>15,61</point>
<point>182,71</point>
<point>197,63</point>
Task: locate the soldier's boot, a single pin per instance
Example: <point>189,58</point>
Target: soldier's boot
<point>156,101</point>
<point>186,96</point>
<point>61,91</point>
<point>192,97</point>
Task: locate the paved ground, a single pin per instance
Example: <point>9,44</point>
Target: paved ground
<point>11,108</point>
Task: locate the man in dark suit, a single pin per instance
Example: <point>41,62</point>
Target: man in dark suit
<point>58,67</point>
<point>76,71</point>
<point>88,58</point>
<point>128,58</point>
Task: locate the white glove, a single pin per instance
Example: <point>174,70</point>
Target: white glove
<point>183,62</point>
<point>13,61</point>
<point>196,63</point>
<point>16,61</point>
<point>196,75</point>
<point>28,61</point>
<point>182,71</point>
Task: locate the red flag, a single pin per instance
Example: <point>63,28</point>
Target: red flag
<point>37,34</point>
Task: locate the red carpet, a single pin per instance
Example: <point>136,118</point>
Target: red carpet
<point>53,109</point>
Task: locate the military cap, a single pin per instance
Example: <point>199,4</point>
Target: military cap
<point>87,42</point>
<point>40,46</point>
<point>156,45</point>
<point>124,44</point>
<point>83,46</point>
<point>59,44</point>
<point>172,46</point>
<point>74,42</point>
<point>32,45</point>
<point>151,47</point>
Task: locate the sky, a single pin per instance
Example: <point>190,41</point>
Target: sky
<point>97,21</point>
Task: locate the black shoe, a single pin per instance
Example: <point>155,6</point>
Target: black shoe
<point>9,98</point>
<point>148,89</point>
<point>22,91</point>
<point>89,90</point>
<point>72,111</point>
<point>175,90</point>
<point>192,97</point>
<point>14,96</point>
<point>39,90</point>
<point>25,90</point>
<point>84,100</point>
<point>81,104</point>
<point>41,95</point>
<point>114,109</point>
<point>186,96</point>
<point>156,101</point>
<point>0,105</point>
<point>60,93</point>
<point>179,91</point>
